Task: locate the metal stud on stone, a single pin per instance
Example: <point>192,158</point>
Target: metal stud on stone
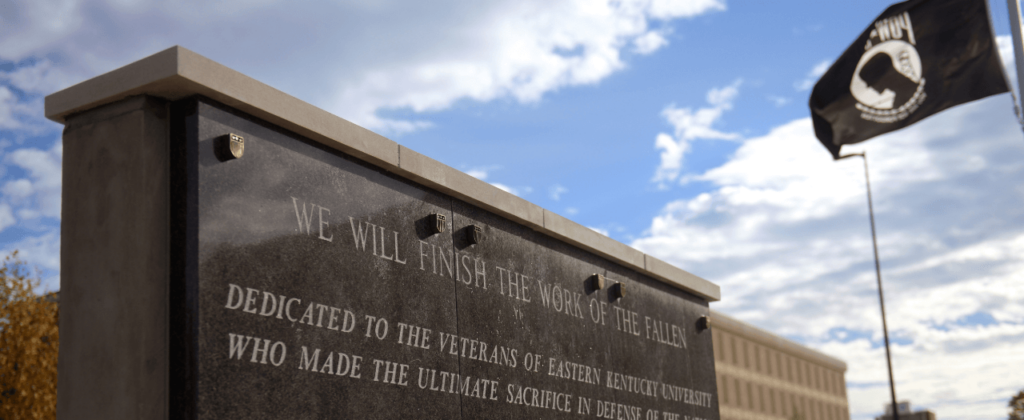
<point>437,223</point>
<point>597,281</point>
<point>229,146</point>
<point>475,234</point>
<point>704,323</point>
<point>237,145</point>
<point>619,291</point>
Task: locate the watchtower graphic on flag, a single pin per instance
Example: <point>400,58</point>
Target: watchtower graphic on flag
<point>917,58</point>
<point>888,82</point>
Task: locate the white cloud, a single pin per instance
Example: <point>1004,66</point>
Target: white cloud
<point>598,230</point>
<point>6,217</point>
<point>723,97</point>
<point>671,158</point>
<point>423,56</point>
<point>556,191</point>
<point>691,125</point>
<point>21,96</point>
<point>670,9</point>
<point>649,42</point>
<point>779,101</point>
<point>504,188</point>
<point>18,189</point>
<point>40,77</point>
<point>480,174</point>
<point>13,111</point>
<point>39,192</point>
<point>1005,45</point>
<point>517,191</point>
<point>812,77</point>
<point>42,252</point>
<point>572,211</point>
<point>784,231</point>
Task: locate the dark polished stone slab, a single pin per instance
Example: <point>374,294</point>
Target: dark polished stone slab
<point>298,249</point>
<point>279,221</point>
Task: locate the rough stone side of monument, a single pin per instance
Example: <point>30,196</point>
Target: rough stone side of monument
<point>115,252</point>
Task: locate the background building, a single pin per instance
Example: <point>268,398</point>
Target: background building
<point>764,376</point>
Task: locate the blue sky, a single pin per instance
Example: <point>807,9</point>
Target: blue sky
<point>679,127</point>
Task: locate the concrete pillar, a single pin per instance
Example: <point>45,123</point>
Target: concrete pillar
<point>115,260</point>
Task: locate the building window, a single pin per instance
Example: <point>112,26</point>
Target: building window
<point>732,340</point>
<point>789,369</point>
<point>739,393</point>
<point>760,398</point>
<point>716,341</point>
<point>785,404</point>
<point>725,389</point>
<point>757,357</point>
<point>802,371</point>
<point>778,364</point>
<point>812,373</point>
<point>721,389</point>
<point>789,409</point>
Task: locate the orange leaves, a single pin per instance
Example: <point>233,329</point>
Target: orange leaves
<point>1017,406</point>
<point>28,345</point>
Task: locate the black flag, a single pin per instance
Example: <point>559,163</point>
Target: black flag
<point>917,58</point>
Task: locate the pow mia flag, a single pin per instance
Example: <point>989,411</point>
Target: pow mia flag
<point>919,57</point>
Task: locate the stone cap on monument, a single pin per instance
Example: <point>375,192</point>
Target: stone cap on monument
<point>177,73</point>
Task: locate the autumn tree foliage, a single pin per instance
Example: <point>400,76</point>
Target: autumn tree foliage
<point>28,345</point>
<point>1017,406</point>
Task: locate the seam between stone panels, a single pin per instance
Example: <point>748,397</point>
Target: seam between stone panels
<point>455,296</point>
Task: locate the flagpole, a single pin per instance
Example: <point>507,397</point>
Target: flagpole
<point>878,275</point>
<point>1018,45</point>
